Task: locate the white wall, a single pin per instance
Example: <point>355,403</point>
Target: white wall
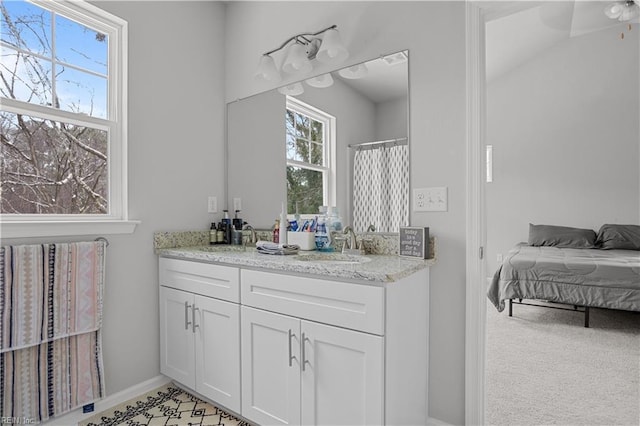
<point>176,135</point>
<point>434,33</point>
<point>565,132</point>
<point>392,119</point>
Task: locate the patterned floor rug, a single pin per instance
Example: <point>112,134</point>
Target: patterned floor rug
<point>168,405</point>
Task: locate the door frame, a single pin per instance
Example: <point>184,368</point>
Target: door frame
<point>477,14</point>
<point>475,321</point>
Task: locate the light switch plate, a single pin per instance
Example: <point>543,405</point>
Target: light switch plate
<point>212,205</point>
<point>430,199</point>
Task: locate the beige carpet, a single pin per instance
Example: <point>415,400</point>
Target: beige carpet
<point>544,367</point>
<point>168,405</point>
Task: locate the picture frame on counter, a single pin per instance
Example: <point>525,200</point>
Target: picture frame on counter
<point>414,242</point>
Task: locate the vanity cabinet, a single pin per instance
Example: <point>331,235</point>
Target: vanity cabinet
<point>200,333</point>
<point>317,351</point>
<point>292,349</point>
<point>303,372</point>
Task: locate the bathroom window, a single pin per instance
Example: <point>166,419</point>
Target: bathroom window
<point>62,114</point>
<point>310,143</point>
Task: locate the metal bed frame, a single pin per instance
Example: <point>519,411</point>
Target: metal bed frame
<point>576,308</point>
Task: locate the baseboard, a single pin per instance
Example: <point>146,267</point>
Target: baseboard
<point>117,398</point>
<point>435,422</point>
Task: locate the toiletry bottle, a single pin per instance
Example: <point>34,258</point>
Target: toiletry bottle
<point>213,234</point>
<point>296,216</point>
<point>335,220</point>
<point>237,222</point>
<point>220,234</point>
<point>276,232</point>
<point>284,225</point>
<point>226,222</point>
<point>236,238</point>
<point>323,237</point>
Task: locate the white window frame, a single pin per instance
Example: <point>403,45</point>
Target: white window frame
<point>329,146</point>
<point>116,221</point>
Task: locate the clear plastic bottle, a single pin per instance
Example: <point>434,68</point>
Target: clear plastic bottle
<point>323,236</point>
<point>334,223</point>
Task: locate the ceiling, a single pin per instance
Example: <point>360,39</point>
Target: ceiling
<point>385,80</point>
<point>516,31</point>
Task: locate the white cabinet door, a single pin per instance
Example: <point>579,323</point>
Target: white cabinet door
<point>218,351</point>
<point>270,367</point>
<point>342,376</point>
<point>177,358</point>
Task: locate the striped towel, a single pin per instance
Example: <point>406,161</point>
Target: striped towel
<point>50,319</point>
<point>49,291</point>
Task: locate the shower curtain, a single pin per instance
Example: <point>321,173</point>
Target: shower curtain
<point>381,188</point>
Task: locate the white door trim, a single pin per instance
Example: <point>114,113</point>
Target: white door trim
<point>475,322</point>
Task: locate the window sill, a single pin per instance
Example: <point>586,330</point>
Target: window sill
<point>26,229</point>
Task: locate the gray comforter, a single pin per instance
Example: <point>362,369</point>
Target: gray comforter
<point>585,277</point>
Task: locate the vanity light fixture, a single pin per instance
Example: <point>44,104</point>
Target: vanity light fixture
<point>321,81</point>
<point>354,71</point>
<point>301,49</point>
<point>292,89</point>
<point>623,11</point>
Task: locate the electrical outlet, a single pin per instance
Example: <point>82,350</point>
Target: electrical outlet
<point>213,205</point>
<point>499,257</point>
<point>237,204</point>
<point>430,199</point>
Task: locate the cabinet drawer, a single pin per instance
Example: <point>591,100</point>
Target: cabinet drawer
<point>209,280</point>
<point>354,306</point>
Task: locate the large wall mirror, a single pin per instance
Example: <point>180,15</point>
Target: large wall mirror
<point>339,140</point>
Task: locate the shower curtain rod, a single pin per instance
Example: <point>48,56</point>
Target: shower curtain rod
<point>396,141</point>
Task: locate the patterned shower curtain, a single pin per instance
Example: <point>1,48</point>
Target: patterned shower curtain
<point>381,188</point>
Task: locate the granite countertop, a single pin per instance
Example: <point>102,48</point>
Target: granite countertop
<point>379,269</point>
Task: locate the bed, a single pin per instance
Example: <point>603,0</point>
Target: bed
<point>585,274</point>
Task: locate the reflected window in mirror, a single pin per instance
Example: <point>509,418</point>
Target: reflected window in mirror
<point>309,143</point>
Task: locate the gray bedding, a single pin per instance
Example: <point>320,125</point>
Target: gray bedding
<point>585,277</point>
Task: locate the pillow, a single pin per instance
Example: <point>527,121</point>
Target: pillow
<point>621,237</point>
<point>561,236</point>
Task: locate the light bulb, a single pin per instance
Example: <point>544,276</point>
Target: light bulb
<point>614,10</point>
<point>629,12</point>
<point>267,70</point>
<point>332,49</point>
<point>321,81</point>
<point>297,60</point>
<point>291,89</point>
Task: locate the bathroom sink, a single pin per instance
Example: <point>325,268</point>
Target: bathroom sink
<point>337,258</point>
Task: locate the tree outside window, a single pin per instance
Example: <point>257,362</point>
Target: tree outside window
<point>57,116</point>
<point>308,144</point>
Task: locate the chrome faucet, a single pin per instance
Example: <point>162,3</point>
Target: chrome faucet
<point>353,242</point>
<point>371,228</point>
<point>253,237</point>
